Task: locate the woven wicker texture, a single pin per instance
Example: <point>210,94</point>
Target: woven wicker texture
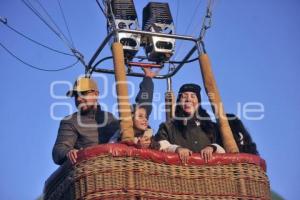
<point>105,172</point>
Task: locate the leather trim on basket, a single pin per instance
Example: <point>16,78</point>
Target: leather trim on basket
<point>118,150</point>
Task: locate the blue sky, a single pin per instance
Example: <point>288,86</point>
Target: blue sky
<point>254,48</point>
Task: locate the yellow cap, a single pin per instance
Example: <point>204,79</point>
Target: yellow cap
<point>81,85</point>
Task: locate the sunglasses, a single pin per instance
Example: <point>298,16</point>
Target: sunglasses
<point>84,93</point>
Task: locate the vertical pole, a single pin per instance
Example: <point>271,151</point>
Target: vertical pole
<point>169,101</point>
<point>122,92</point>
<point>216,103</point>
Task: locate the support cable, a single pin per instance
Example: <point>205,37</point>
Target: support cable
<point>207,21</point>
<point>34,67</point>
<point>59,35</point>
<point>4,21</point>
<point>53,22</point>
<point>66,24</point>
<point>91,70</point>
<point>29,5</point>
<point>188,27</point>
<point>101,8</point>
<point>177,11</point>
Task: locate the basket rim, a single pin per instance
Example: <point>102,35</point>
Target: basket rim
<point>121,150</point>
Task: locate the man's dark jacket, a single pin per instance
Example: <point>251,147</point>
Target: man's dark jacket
<point>80,130</point>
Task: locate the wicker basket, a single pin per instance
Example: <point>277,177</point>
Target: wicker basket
<point>116,171</point>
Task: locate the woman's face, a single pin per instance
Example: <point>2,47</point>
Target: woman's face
<point>140,121</point>
<point>189,102</point>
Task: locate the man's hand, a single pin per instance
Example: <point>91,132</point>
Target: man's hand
<point>206,153</point>
<point>72,156</point>
<point>149,73</point>
<point>184,154</point>
<point>144,142</point>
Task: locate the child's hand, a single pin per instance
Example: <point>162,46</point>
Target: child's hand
<point>144,142</point>
<point>149,73</point>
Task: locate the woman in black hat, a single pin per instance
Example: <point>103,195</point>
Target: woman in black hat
<point>191,130</point>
